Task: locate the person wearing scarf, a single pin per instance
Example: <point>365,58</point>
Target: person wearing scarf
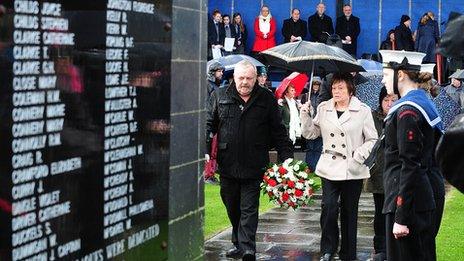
<point>265,28</point>
<point>411,178</point>
<point>290,113</point>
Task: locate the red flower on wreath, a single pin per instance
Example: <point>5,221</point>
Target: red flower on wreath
<point>285,197</point>
<point>298,193</point>
<point>291,184</point>
<point>282,170</point>
<point>272,182</point>
<point>270,194</point>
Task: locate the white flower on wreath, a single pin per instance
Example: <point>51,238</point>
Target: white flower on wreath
<point>275,168</point>
<point>310,181</point>
<point>287,161</point>
<point>299,185</point>
<point>296,167</point>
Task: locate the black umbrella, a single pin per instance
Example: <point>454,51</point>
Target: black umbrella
<point>319,58</point>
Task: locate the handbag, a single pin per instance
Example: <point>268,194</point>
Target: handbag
<point>379,144</point>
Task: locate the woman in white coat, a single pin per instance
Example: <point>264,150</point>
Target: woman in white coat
<point>348,135</point>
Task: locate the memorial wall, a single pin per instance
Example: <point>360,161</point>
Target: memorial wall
<point>84,129</point>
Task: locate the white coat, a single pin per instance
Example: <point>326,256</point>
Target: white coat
<point>347,141</point>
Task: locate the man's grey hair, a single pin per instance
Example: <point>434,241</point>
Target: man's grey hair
<point>243,64</point>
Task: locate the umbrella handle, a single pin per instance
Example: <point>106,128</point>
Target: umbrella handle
<point>311,83</point>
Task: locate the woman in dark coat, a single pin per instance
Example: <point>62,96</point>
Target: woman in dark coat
<point>374,184</point>
<point>411,129</point>
<point>427,38</point>
<point>241,33</point>
<point>389,43</point>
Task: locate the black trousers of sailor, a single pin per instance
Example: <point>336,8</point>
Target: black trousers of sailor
<point>348,191</point>
<point>241,198</point>
<point>414,245</point>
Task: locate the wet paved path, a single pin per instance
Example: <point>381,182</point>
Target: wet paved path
<point>295,235</point>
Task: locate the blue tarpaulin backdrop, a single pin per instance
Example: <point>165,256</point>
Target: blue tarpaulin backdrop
<point>377,16</point>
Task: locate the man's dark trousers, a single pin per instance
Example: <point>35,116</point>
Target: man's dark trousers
<point>241,198</point>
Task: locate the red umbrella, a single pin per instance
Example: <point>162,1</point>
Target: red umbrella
<point>297,79</point>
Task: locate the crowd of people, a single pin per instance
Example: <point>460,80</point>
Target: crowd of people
<point>341,132</point>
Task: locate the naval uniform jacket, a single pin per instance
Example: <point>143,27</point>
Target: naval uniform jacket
<point>409,147</point>
<point>346,141</point>
<point>246,131</point>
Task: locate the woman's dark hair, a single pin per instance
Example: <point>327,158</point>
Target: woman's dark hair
<point>242,27</point>
<point>347,78</point>
<point>392,31</point>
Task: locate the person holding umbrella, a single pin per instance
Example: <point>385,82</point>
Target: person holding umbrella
<point>412,129</point>
<point>348,135</point>
<point>291,87</point>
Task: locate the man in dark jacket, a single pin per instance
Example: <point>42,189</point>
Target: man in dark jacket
<point>247,121</point>
<point>294,29</point>
<point>348,29</point>
<point>216,33</point>
<point>320,25</point>
<point>403,35</point>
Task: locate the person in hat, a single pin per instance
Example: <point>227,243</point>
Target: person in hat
<point>214,77</point>
<point>374,184</point>
<point>348,135</point>
<point>403,35</point>
<point>262,78</point>
<point>412,128</point>
<point>455,90</point>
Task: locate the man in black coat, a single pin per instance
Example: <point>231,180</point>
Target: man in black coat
<point>348,29</point>
<point>320,25</point>
<point>248,124</point>
<point>294,29</point>
<point>216,33</point>
<point>403,35</point>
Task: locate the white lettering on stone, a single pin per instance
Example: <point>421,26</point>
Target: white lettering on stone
<point>54,139</point>
<point>55,110</point>
<point>26,235</point>
<point>58,38</point>
<point>48,67</point>
<point>143,236</point>
<point>115,192</point>
<point>28,98</point>
<point>53,96</point>
<point>120,5</point>
<point>112,28</point>
<point>53,23</point>
<point>22,160</point>
<point>47,82</point>
<point>24,83</point>
<point>113,67</point>
<point>27,128</point>
<point>26,52</point>
<point>30,173</point>
<point>143,7</point>
<point>55,125</point>
<point>113,16</point>
<point>118,104</point>
<point>94,256</point>
<point>115,117</point>
<point>23,221</point>
<point>118,142</point>
<point>141,207</point>
<point>114,180</point>
<point>115,130</point>
<point>29,113</point>
<point>114,41</point>
<point>113,54</point>
<point>54,211</point>
<point>113,231</point>
<point>30,143</point>
<point>29,67</point>
<point>23,206</point>
<point>52,9</point>
<point>26,37</point>
<point>26,7</point>
<point>115,92</point>
<point>112,79</point>
<point>22,191</point>
<point>26,21</point>
<point>114,205</point>
<point>65,165</point>
<point>114,217</point>
<point>68,248</point>
<point>115,167</point>
<point>49,198</point>
<point>29,249</point>
<point>119,154</point>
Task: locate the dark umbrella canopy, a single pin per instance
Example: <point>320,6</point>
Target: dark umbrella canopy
<point>303,56</point>
<point>447,108</point>
<point>368,92</point>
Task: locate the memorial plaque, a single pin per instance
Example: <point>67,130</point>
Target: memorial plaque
<point>84,129</point>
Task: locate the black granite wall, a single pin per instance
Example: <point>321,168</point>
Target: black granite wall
<point>186,197</point>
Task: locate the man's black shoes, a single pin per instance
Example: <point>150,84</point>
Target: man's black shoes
<point>249,256</point>
<point>326,257</point>
<point>234,253</point>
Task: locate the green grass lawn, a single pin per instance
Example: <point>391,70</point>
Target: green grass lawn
<point>216,218</point>
<point>450,239</point>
